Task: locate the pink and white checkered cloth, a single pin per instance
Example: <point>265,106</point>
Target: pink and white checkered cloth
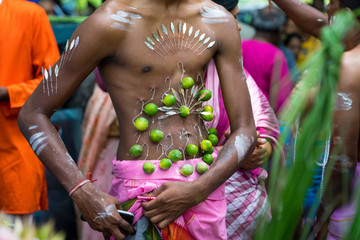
<point>246,201</point>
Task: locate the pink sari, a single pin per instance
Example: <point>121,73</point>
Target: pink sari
<point>245,192</point>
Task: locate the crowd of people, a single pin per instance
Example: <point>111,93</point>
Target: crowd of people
<point>181,119</point>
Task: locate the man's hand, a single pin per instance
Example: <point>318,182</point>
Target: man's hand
<point>99,209</point>
<point>173,199</point>
<point>4,95</point>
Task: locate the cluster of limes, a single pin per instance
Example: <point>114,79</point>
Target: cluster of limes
<point>150,109</point>
<point>207,147</point>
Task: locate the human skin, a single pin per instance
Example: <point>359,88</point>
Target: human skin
<point>130,71</point>
<point>346,131</point>
<point>307,18</point>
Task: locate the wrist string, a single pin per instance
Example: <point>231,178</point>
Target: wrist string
<point>87,179</point>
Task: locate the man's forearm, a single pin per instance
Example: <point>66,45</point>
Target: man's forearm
<point>307,18</point>
<point>4,94</point>
<point>236,150</point>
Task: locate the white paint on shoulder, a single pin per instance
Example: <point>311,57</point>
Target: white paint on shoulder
<point>343,102</point>
<point>213,15</point>
<point>122,17</point>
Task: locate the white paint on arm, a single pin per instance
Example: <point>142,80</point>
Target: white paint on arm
<point>343,102</point>
<point>242,143</point>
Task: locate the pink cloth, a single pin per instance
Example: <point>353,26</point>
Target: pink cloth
<point>203,221</point>
<point>267,65</point>
<point>343,217</point>
<point>246,195</point>
<point>264,117</point>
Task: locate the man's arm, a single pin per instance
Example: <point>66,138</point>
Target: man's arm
<point>173,199</point>
<point>345,136</point>
<point>91,42</point>
<point>309,19</point>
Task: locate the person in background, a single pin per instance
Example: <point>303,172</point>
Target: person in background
<point>264,60</point>
<point>293,42</point>
<point>24,53</point>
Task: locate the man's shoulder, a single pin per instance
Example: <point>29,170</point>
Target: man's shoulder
<point>350,69</point>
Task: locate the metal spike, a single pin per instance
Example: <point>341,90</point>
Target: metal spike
<point>152,42</point>
<point>172,26</point>
<point>56,70</point>
<point>56,75</point>
<point>209,46</point>
<point>167,34</point>
<point>205,42</point>
<point>184,31</point>
<point>180,27</point>
<point>149,46</point>
<point>164,29</point>
<point>42,71</point>
<point>72,44</point>
<point>51,82</point>
<point>162,38</point>
<point>190,32</point>
<point>47,82</point>
<point>175,94</point>
<point>77,41</point>
<point>199,40</point>
<point>156,37</point>
<point>165,109</point>
<point>168,114</point>
<point>196,34</point>
<point>152,48</point>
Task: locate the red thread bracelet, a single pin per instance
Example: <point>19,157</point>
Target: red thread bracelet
<point>77,186</point>
<point>81,183</point>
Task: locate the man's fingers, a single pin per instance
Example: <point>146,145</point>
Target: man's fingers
<point>163,224</point>
<point>260,141</point>
<point>119,235</point>
<point>106,235</point>
<point>123,224</point>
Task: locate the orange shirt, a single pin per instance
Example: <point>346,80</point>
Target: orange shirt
<point>27,43</point>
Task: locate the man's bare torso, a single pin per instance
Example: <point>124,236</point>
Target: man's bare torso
<point>157,48</point>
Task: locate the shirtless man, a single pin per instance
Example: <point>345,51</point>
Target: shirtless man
<point>143,49</point>
<point>345,135</point>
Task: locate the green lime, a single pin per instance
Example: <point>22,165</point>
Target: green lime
<point>207,117</point>
<point>187,83</point>
<point>184,111</point>
<point>156,136</point>
<point>169,100</point>
<point>210,151</point>
<point>187,170</point>
<point>175,155</point>
<point>165,163</point>
<point>208,108</point>
<point>204,95</point>
<point>208,158</point>
<point>192,149</point>
<point>141,124</point>
<point>213,131</point>
<point>148,167</point>
<point>213,139</point>
<point>150,109</point>
<point>136,150</point>
<point>201,167</point>
<point>205,145</point>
